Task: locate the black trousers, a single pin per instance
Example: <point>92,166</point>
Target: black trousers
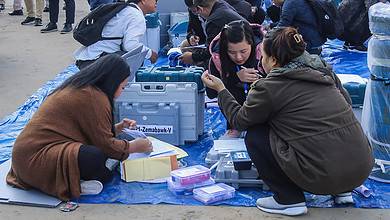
<point>92,164</point>
<point>54,10</point>
<point>258,146</point>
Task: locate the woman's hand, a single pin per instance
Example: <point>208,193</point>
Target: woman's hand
<point>212,82</point>
<point>125,123</point>
<point>248,75</point>
<point>140,145</point>
<point>194,40</point>
<point>186,58</point>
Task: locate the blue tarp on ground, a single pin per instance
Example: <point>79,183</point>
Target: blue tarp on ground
<point>117,191</point>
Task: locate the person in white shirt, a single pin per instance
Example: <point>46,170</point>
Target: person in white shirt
<point>129,23</point>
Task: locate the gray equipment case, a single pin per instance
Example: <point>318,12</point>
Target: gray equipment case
<point>159,120</point>
<point>225,173</point>
<point>183,94</point>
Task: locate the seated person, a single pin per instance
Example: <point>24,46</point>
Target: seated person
<point>217,13</point>
<point>238,63</point>
<point>355,19</point>
<point>302,134</point>
<point>300,15</point>
<point>72,134</point>
<point>129,23</point>
<point>257,14</point>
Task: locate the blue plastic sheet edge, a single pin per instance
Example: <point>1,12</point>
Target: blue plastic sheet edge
<point>117,191</point>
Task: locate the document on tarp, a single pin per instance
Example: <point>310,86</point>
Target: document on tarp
<point>229,145</point>
<point>158,164</point>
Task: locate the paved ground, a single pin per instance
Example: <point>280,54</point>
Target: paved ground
<point>28,59</point>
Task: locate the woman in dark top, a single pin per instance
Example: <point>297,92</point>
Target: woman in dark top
<point>238,63</point>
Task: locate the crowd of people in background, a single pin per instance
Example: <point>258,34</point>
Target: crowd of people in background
<point>279,12</point>
<point>35,9</point>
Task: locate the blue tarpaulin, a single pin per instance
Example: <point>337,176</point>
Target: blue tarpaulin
<point>117,191</point>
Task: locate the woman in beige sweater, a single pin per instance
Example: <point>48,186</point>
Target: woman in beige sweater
<point>72,134</point>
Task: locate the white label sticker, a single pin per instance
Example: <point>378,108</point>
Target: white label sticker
<point>188,172</point>
<point>155,129</point>
<point>213,189</point>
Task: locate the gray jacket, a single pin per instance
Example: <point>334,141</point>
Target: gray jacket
<point>314,134</point>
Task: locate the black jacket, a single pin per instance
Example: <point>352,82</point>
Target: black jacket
<point>221,14</point>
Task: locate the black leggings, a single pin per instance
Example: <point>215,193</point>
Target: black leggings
<point>92,164</point>
<point>259,149</point>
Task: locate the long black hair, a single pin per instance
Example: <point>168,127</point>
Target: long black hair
<point>106,74</point>
<point>235,32</point>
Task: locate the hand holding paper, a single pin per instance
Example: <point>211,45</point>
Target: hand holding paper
<point>125,124</point>
<point>140,145</point>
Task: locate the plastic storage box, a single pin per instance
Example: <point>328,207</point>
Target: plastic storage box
<point>222,148</point>
<point>190,175</point>
<point>214,156</point>
<point>178,189</point>
<point>166,74</point>
<point>214,193</point>
<point>185,95</point>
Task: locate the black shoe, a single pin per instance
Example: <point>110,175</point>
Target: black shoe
<point>356,48</point>
<point>46,9</point>
<point>360,48</point>
<point>38,22</point>
<point>67,28</point>
<point>16,12</point>
<point>2,7</point>
<point>51,27</point>
<point>28,20</point>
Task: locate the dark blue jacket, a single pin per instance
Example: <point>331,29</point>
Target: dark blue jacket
<point>299,14</point>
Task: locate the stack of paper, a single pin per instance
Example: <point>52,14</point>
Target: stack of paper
<point>155,165</point>
<point>229,145</point>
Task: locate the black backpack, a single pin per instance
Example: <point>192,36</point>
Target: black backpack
<point>329,21</point>
<point>89,30</point>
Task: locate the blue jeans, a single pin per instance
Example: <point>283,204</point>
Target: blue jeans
<point>95,3</point>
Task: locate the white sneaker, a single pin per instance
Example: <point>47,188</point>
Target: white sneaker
<point>269,205</point>
<point>343,198</point>
<point>90,187</point>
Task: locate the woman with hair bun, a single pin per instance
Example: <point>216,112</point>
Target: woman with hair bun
<point>301,132</point>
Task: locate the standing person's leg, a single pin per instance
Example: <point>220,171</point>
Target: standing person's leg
<point>53,14</point>
<point>288,198</point>
<point>46,9</point>
<point>2,5</point>
<point>40,4</point>
<point>30,12</point>
<point>17,8</point>
<point>70,14</point>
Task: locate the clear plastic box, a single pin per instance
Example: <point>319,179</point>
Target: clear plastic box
<point>214,193</point>
<point>178,189</point>
<point>190,175</point>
